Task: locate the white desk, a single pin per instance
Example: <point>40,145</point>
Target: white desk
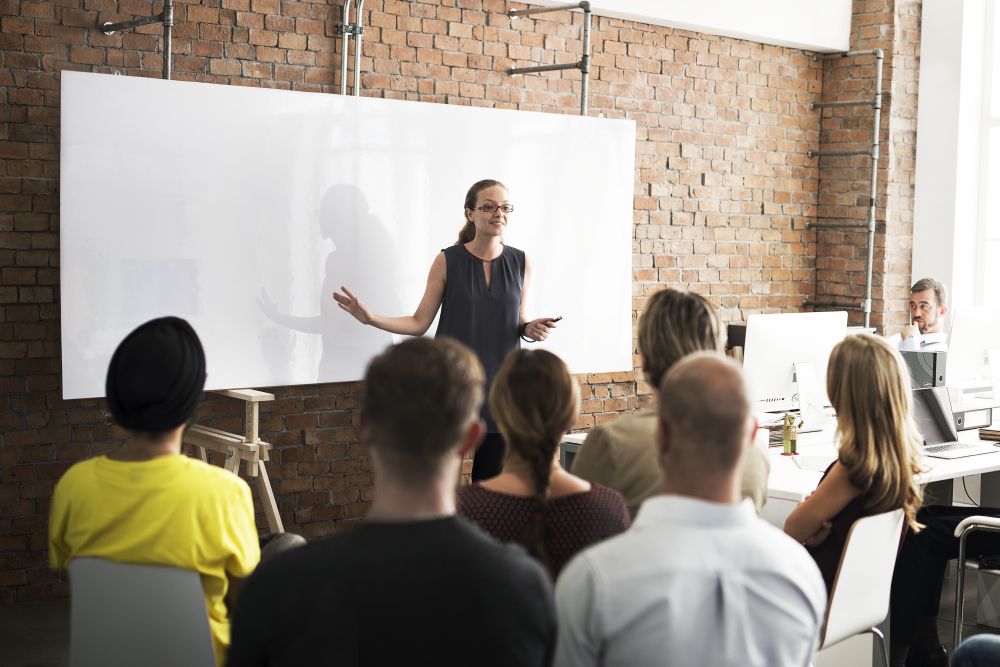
<point>788,485</point>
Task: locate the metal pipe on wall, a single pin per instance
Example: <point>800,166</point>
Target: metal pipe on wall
<point>873,153</point>
<point>168,31</point>
<point>166,17</point>
<point>584,63</point>
<point>358,32</point>
<point>345,34</point>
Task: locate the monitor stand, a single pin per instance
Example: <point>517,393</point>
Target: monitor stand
<point>811,411</point>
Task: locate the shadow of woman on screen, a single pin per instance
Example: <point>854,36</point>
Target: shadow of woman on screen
<point>363,254</point>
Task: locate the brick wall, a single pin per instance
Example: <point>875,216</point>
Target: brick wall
<point>845,182</point>
<point>724,192</point>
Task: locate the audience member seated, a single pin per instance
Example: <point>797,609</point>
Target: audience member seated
<point>147,503</point>
<point>534,501</point>
<point>928,305</point>
<point>622,454</point>
<point>978,651</point>
<point>919,576</point>
<point>413,585</point>
<point>698,579</point>
<point>879,450</point>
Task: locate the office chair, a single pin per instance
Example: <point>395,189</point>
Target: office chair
<point>123,615</point>
<point>859,600</point>
<point>968,526</point>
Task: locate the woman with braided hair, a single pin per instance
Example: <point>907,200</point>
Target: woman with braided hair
<point>534,501</point>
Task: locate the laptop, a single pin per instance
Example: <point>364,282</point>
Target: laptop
<point>936,421</point>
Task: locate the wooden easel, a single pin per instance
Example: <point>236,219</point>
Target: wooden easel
<point>246,448</point>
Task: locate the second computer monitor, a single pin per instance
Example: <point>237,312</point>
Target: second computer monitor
<point>974,332</point>
<point>775,343</point>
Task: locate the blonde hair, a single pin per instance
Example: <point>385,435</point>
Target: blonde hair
<point>535,400</point>
<point>675,324</point>
<point>879,441</point>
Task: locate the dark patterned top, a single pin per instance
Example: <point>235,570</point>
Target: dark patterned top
<point>486,318</point>
<point>572,522</point>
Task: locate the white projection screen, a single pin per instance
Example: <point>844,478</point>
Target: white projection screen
<point>243,209</point>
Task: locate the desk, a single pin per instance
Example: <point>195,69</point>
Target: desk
<point>788,485</point>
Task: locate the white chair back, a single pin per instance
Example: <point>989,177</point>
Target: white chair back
<point>123,615</point>
<point>860,597</point>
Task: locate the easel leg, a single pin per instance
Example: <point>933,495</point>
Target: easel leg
<point>267,500</point>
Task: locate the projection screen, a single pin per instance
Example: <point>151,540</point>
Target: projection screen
<point>243,209</point>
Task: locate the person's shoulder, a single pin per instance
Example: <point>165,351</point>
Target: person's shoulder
<point>212,478</point>
<point>496,558</point>
<point>774,549</point>
<point>77,474</point>
<point>625,430</point>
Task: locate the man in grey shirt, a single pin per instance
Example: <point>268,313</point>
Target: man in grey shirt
<point>622,454</point>
<point>698,579</point>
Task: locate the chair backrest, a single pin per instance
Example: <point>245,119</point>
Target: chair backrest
<point>127,615</point>
<point>860,596</point>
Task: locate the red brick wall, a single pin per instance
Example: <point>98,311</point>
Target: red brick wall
<point>723,195</point>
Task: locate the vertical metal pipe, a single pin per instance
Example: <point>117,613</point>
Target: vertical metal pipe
<point>168,33</point>
<point>877,102</point>
<point>358,29</point>
<point>585,62</point>
<point>959,588</point>
<point>345,38</point>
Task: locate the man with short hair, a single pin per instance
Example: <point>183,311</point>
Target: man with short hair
<point>698,579</point>
<point>414,585</point>
<point>147,503</point>
<point>928,306</point>
<point>622,454</point>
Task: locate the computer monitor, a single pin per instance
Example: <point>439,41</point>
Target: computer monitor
<point>775,343</point>
<point>974,332</point>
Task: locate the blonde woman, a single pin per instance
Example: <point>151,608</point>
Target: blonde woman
<point>879,450</point>
<point>533,501</point>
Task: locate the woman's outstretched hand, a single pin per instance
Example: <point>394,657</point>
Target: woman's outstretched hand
<point>538,330</point>
<point>352,305</point>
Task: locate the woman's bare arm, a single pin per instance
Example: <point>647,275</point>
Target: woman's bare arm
<point>409,325</point>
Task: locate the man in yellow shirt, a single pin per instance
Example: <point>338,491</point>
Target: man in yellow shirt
<point>147,503</point>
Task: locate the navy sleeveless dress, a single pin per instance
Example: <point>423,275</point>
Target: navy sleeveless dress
<point>484,318</point>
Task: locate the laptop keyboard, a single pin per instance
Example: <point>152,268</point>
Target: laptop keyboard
<point>948,447</point>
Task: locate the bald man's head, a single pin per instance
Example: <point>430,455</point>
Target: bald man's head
<point>704,414</point>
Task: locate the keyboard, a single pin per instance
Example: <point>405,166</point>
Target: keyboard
<point>948,447</point>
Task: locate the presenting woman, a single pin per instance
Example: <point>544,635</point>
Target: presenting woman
<point>481,286</point>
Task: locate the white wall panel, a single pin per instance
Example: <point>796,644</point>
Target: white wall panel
<point>242,209</point>
<point>814,25</point>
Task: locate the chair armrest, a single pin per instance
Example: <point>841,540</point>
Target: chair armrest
<point>976,521</point>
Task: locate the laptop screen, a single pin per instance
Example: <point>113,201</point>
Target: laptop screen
<point>932,412</point>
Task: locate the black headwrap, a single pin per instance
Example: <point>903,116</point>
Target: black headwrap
<point>156,376</point>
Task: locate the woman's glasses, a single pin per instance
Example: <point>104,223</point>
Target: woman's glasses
<point>489,208</point>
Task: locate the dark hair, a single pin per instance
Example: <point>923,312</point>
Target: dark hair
<point>535,400</point>
<point>675,324</point>
<point>418,399</point>
<point>940,291</point>
<point>468,231</point>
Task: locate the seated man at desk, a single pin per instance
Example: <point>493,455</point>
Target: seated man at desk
<point>147,503</point>
<point>622,454</point>
<point>928,306</point>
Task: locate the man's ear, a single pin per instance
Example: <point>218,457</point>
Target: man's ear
<point>474,435</point>
<point>753,433</point>
<point>943,311</point>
